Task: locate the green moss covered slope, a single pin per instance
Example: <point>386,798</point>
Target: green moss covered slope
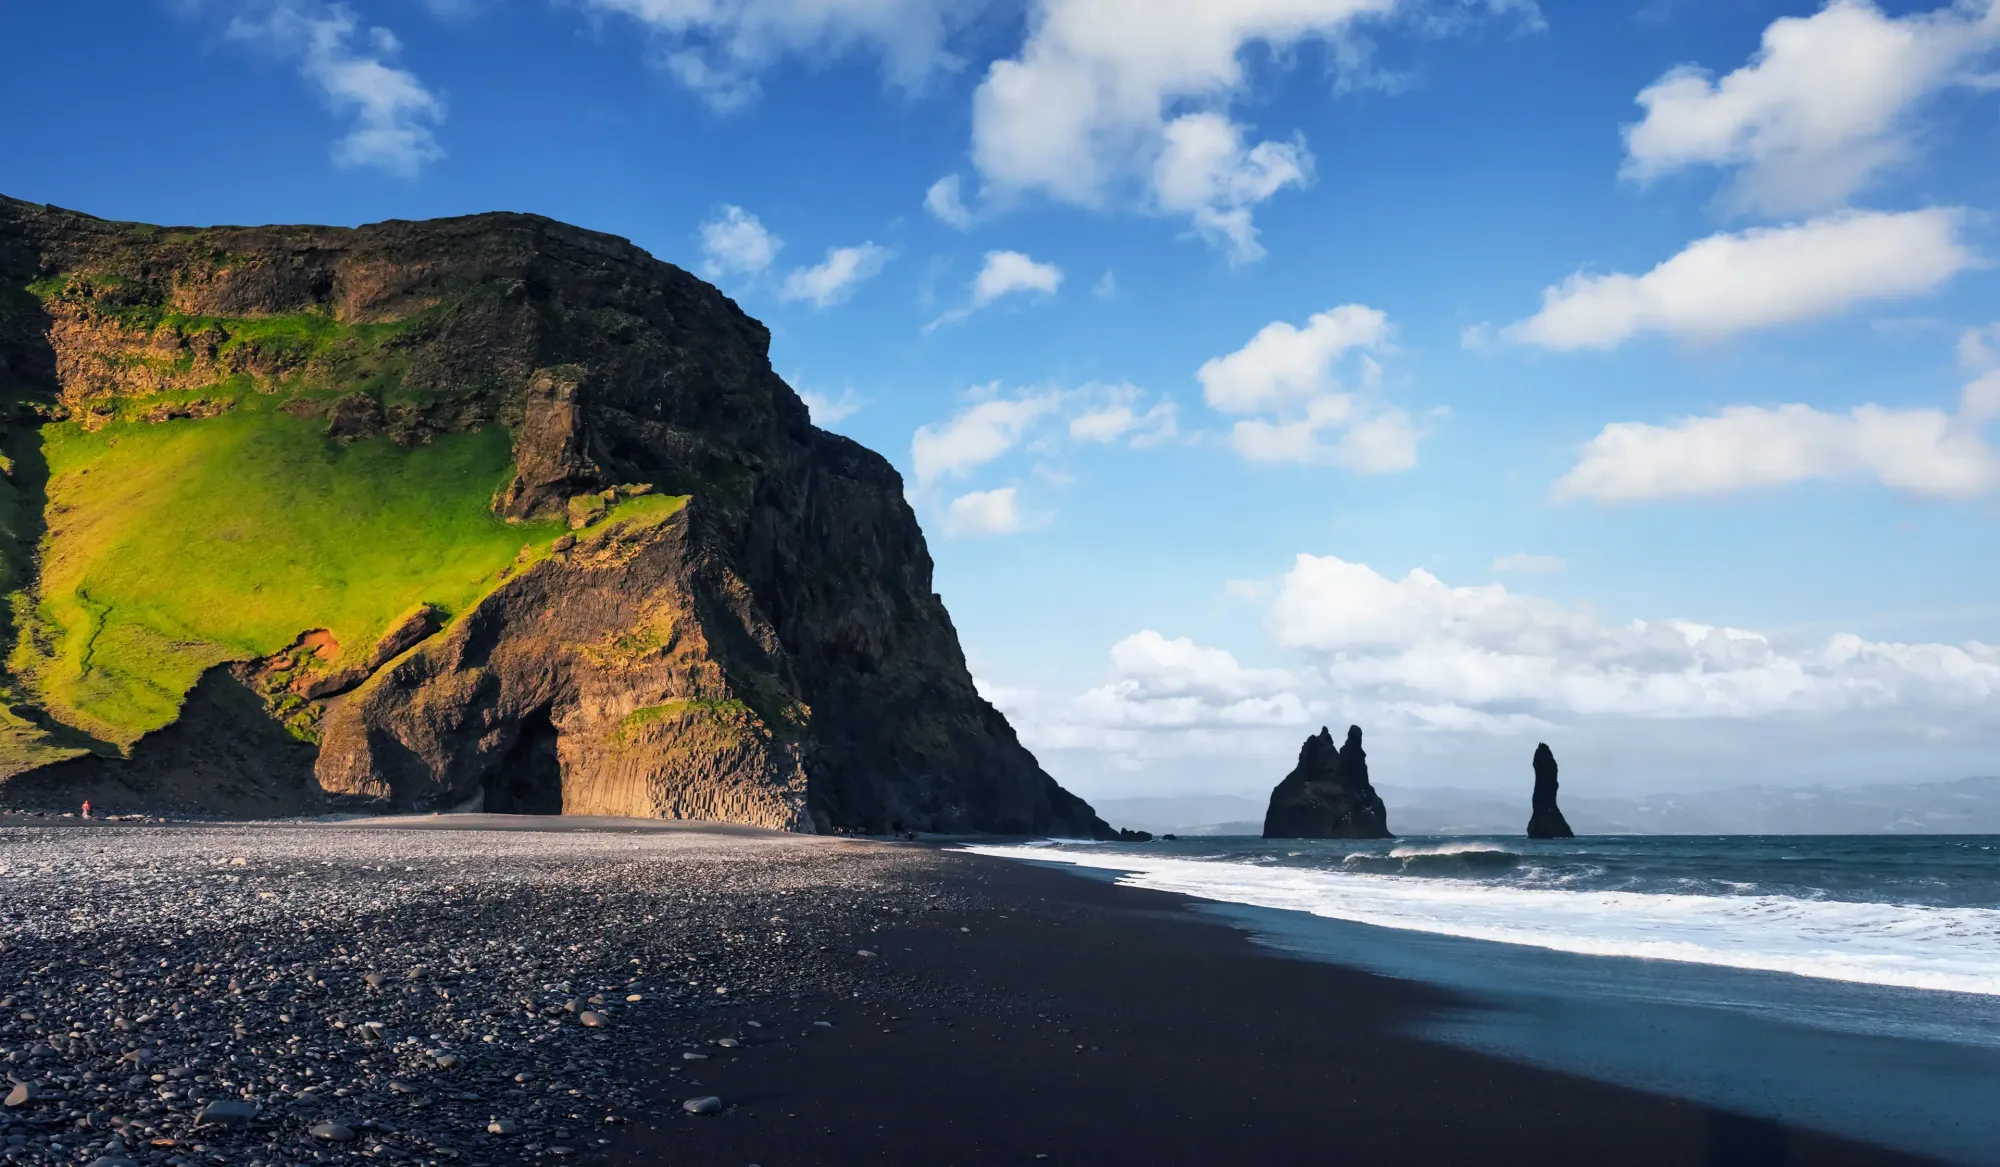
<point>395,516</point>
<point>191,489</point>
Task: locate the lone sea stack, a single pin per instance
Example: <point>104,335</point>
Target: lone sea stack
<point>1547,821</point>
<point>1327,795</point>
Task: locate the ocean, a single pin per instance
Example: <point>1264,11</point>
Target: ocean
<point>1851,983</point>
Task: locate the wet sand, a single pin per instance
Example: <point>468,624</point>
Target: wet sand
<point>1091,1023</point>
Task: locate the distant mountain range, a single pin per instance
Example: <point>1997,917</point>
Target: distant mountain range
<point>1966,806</point>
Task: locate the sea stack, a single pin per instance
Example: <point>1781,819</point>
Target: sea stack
<point>1547,822</point>
<point>1327,795</point>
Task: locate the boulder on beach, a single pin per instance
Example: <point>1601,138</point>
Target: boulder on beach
<point>1547,822</point>
<point>1327,795</point>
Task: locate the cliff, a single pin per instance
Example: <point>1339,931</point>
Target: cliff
<point>481,511</point>
<point>1327,795</point>
<point>1547,822</point>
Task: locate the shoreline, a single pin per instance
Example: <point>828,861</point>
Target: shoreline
<point>1082,1021</point>
<point>978,1010</point>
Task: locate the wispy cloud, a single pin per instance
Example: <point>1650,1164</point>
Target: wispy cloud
<point>944,203</point>
<point>834,279</point>
<point>718,48</point>
<point>395,113</point>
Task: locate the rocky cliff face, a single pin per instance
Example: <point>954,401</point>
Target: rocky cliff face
<point>1547,821</point>
<point>1327,795</point>
<point>488,510</point>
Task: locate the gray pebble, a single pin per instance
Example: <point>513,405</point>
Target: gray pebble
<point>253,985</point>
<point>333,1132</point>
<point>708,1105</point>
<point>225,1112</point>
<point>503,1126</point>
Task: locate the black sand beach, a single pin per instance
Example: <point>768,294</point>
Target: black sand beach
<point>1082,1022</point>
<point>471,996</point>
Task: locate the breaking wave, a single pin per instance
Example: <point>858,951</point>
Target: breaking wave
<point>1917,946</point>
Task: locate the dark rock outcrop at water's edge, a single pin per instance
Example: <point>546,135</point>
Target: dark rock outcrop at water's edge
<point>1327,795</point>
<point>769,651</point>
<point>1547,822</point>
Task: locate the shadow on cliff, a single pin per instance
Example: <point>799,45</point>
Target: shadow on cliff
<point>27,396</point>
<point>223,756</point>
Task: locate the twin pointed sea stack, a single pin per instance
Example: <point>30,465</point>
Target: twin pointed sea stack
<point>1327,796</point>
<point>1547,822</point>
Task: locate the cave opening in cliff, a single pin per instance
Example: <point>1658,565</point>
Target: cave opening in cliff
<point>529,779</point>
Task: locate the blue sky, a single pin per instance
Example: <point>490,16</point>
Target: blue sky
<point>1654,336</point>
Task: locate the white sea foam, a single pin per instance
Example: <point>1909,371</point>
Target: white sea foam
<point>1938,948</point>
<point>1412,850</point>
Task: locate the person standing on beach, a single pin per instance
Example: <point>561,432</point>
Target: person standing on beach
<point>86,808</point>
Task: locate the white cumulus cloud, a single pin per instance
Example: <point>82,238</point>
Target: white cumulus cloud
<point>1483,648</point>
<point>984,512</point>
<point>395,113</point>
<point>1291,375</point>
<point>1454,684</point>
<point>1002,274</point>
<point>1824,105</point>
<point>1157,683</point>
<point>1918,451</point>
<point>977,434</point>
<point>1205,171</point>
<point>1760,278</point>
<point>1087,110</point>
<point>834,279</point>
<point>735,243</point>
<point>1007,272</point>
<point>1286,365</point>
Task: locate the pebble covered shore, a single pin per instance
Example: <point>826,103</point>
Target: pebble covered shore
<point>277,994</point>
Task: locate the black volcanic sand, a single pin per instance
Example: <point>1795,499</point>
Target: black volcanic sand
<point>1063,1019</point>
<point>379,992</point>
